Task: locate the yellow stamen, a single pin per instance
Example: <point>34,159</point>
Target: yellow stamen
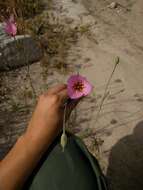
<point>78,86</point>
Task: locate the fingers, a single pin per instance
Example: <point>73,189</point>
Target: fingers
<point>63,94</point>
<point>61,91</point>
<point>73,104</point>
<point>57,89</point>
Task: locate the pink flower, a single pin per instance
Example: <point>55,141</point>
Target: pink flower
<point>10,26</point>
<point>78,86</point>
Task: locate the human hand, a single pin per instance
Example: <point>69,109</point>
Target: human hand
<point>44,126</point>
<point>47,118</point>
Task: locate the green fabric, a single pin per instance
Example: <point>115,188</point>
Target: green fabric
<point>73,169</point>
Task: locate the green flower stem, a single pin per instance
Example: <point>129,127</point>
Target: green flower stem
<point>64,119</point>
<point>64,136</point>
<point>117,60</point>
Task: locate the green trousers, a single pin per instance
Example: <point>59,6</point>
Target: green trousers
<point>73,169</point>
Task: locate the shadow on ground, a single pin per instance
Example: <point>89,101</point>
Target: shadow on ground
<point>125,169</point>
<point>12,125</point>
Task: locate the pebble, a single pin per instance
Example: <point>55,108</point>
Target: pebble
<point>113,5</point>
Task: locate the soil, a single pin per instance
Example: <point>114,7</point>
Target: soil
<point>116,135</point>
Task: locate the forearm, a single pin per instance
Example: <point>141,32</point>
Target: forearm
<point>43,127</point>
<point>16,167</point>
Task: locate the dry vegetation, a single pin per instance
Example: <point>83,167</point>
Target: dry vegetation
<point>17,91</point>
<point>54,36</point>
<point>21,8</point>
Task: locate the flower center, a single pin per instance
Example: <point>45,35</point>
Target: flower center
<point>78,86</point>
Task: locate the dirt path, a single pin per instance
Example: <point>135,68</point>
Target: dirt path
<point>115,32</point>
<point>116,138</point>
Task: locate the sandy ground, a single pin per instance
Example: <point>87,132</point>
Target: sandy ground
<point>115,32</point>
<point>117,136</point>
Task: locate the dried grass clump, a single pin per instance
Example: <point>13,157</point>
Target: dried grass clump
<point>20,8</point>
<point>55,37</point>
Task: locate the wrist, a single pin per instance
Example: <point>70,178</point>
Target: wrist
<point>36,144</point>
<point>41,136</point>
<point>30,148</point>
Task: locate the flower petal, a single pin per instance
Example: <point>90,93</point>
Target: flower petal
<point>75,94</point>
<point>10,26</point>
<point>11,19</point>
<point>87,88</point>
<point>74,78</point>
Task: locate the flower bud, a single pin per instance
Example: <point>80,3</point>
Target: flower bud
<point>63,141</point>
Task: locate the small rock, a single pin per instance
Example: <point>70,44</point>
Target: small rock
<point>113,5</point>
<point>136,95</point>
<point>140,99</point>
<point>19,51</point>
<point>113,121</point>
<point>118,80</point>
<point>74,1</point>
<point>69,20</point>
<point>87,59</point>
<point>111,97</point>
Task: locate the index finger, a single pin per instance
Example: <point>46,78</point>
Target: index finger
<point>63,94</point>
<point>56,89</point>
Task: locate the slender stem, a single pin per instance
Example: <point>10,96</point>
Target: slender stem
<point>31,84</point>
<point>28,68</point>
<point>64,119</point>
<point>106,88</point>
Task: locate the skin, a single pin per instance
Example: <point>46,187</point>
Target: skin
<point>44,126</point>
